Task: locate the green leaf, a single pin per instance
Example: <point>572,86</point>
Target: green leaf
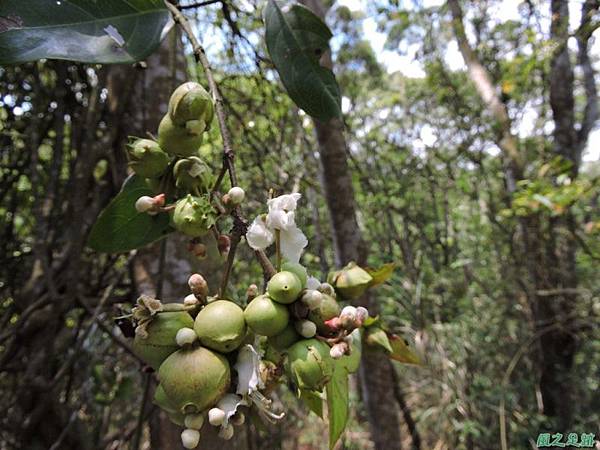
<point>337,403</point>
<point>108,31</point>
<point>313,400</point>
<point>296,39</point>
<point>371,321</point>
<point>381,275</point>
<point>120,228</point>
<point>401,351</point>
<point>376,336</point>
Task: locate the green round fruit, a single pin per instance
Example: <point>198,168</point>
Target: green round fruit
<point>160,342</point>
<point>178,140</point>
<point>194,215</point>
<point>194,379</point>
<point>220,325</point>
<point>328,309</point>
<point>309,364</point>
<point>161,400</point>
<point>284,339</point>
<point>147,159</point>
<point>190,101</point>
<point>297,269</point>
<point>266,317</point>
<point>193,173</point>
<point>284,287</point>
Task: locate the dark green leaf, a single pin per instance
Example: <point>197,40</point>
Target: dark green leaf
<point>110,31</point>
<point>337,403</point>
<point>313,400</point>
<point>296,39</point>
<point>121,228</point>
<point>381,275</point>
<point>376,336</point>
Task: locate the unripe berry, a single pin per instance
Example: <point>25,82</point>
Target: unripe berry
<point>185,336</point>
<point>220,325</point>
<point>216,416</point>
<point>193,173</point>
<point>351,282</point>
<point>146,158</point>
<point>284,287</point>
<point>327,310</point>
<point>178,140</point>
<point>194,421</point>
<point>309,364</point>
<point>194,215</point>
<point>312,299</point>
<point>190,102</point>
<point>327,289</point>
<point>306,328</point>
<point>266,317</point>
<point>190,438</point>
<point>236,195</point>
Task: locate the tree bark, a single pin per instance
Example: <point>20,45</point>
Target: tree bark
<point>376,373</point>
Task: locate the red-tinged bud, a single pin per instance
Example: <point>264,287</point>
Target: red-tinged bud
<point>198,285</point>
<point>334,323</point>
<point>159,200</point>
<point>226,200</point>
<point>251,292</point>
<point>223,244</point>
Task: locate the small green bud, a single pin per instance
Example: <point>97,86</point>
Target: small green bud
<point>146,158</point>
<point>191,103</point>
<point>193,173</point>
<point>194,216</point>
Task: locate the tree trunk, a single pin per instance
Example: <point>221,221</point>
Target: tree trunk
<point>376,373</point>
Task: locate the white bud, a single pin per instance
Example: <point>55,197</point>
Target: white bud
<point>306,328</point>
<point>144,204</point>
<point>190,438</point>
<point>349,312</point>
<point>312,299</point>
<point>190,300</point>
<point>198,285</point>
<point>328,289</point>
<point>216,416</point>
<point>236,195</point>
<point>185,336</point>
<point>362,314</point>
<point>238,419</point>
<point>226,432</point>
<point>337,351</point>
<point>348,339</point>
<point>194,421</point>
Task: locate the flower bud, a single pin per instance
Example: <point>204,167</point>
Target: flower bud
<point>216,416</point>
<point>236,195</point>
<point>348,311</point>
<point>198,285</point>
<point>238,419</point>
<point>326,288</point>
<point>226,432</point>
<point>159,200</point>
<point>194,216</point>
<point>362,314</point>
<point>194,421</point>
<point>144,204</point>
<point>146,158</point>
<point>190,438</point>
<point>251,292</point>
<point>185,336</point>
<point>223,244</point>
<point>338,350</point>
<point>348,318</point>
<point>193,174</point>
<point>197,249</point>
<point>306,328</point>
<point>312,299</point>
<point>190,300</point>
<point>334,323</point>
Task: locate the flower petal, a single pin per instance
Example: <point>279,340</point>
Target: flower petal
<point>247,367</point>
<point>258,235</point>
<point>287,202</point>
<point>293,242</point>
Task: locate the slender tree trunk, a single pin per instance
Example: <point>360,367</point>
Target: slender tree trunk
<point>376,373</point>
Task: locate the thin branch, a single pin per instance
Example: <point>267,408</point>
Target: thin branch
<point>200,4</point>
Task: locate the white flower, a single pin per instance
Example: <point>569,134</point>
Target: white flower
<point>259,236</point>
<point>281,211</point>
<point>292,243</point>
<point>229,405</point>
<point>247,367</point>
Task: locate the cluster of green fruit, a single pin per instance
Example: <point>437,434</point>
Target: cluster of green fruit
<point>297,326</point>
<point>173,165</point>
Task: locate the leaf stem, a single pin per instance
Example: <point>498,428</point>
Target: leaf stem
<point>278,248</point>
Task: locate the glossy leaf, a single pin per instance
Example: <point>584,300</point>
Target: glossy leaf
<point>337,403</point>
<point>296,39</point>
<point>120,228</point>
<point>378,337</point>
<point>110,31</point>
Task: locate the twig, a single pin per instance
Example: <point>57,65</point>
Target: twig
<point>135,444</point>
<point>200,4</point>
